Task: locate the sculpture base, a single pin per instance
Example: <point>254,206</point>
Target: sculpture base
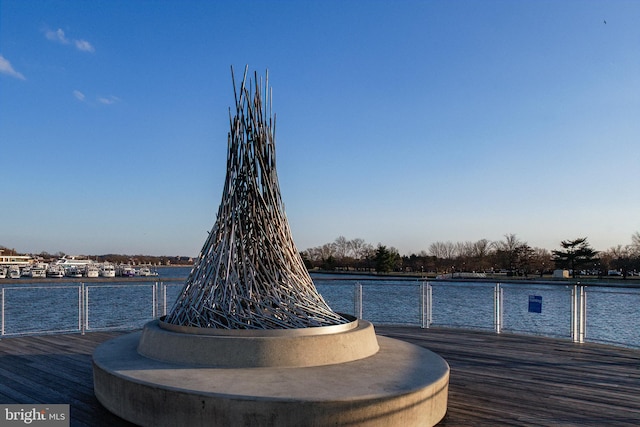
<point>254,348</point>
<point>401,384</point>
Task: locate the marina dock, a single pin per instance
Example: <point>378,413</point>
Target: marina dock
<point>495,380</point>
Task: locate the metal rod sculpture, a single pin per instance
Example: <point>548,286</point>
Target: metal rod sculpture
<point>249,274</point>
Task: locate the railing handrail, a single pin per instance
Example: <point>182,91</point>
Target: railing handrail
<point>159,306</point>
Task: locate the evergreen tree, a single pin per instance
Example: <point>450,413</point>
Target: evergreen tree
<point>329,263</point>
<point>576,253</point>
<point>384,259</point>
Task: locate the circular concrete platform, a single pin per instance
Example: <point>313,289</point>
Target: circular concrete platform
<point>401,384</point>
<point>258,348</point>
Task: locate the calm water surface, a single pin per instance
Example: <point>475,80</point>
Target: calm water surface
<point>612,313</point>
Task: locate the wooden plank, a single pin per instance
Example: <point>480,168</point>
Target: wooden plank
<point>54,369</point>
<point>495,379</point>
<point>524,380</point>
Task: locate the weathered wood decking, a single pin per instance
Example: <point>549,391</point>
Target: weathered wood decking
<point>520,380</point>
<point>495,379</point>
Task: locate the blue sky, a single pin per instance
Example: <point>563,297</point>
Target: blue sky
<point>402,123</point>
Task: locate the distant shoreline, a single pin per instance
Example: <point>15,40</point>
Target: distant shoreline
<point>496,277</point>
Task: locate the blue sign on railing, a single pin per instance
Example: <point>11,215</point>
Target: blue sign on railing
<point>535,304</point>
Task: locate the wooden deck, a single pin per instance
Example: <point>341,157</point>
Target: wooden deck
<point>495,379</point>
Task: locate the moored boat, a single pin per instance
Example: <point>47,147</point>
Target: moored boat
<point>14,272</point>
<point>69,261</point>
<point>125,270</point>
<point>91,270</point>
<point>107,270</point>
<point>55,271</point>
<point>39,271</point>
<point>145,272</point>
<point>73,271</point>
<point>3,273</point>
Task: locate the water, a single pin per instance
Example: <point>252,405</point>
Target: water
<point>179,273</point>
<point>116,306</point>
<point>611,312</point>
<point>33,309</point>
<point>554,318</point>
<point>613,316</point>
<point>463,305</point>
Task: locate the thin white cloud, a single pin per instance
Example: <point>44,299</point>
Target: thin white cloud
<point>59,36</point>
<point>108,100</point>
<point>79,95</point>
<point>99,100</point>
<point>84,46</point>
<point>56,36</point>
<point>6,68</point>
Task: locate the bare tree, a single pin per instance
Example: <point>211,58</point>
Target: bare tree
<point>619,251</point>
<point>541,260</point>
<point>481,248</point>
<point>327,250</point>
<point>634,247</point>
<point>509,252</point>
<point>436,249</point>
<point>357,248</point>
<point>443,250</point>
<point>509,244</point>
<point>341,245</point>
<point>464,249</point>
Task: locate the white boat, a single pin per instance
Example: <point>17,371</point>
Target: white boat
<point>92,270</point>
<point>39,271</point>
<point>14,272</point>
<point>3,273</point>
<point>145,272</point>
<point>125,270</point>
<point>107,270</point>
<point>73,261</point>
<point>55,271</point>
<point>15,260</point>
<point>73,271</point>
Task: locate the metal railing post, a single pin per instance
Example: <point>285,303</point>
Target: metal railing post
<point>80,308</point>
<point>497,308</point>
<point>575,314</point>
<point>425,306</point>
<point>86,308</point>
<point>357,300</point>
<point>2,313</point>
<point>578,313</point>
<point>574,317</point>
<point>164,299</point>
<point>154,301</point>
<point>583,313</point>
<point>579,307</point>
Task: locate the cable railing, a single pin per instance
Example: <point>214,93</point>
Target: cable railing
<point>573,311</point>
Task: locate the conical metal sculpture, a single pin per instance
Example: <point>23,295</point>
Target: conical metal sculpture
<point>249,274</point>
<point>249,315</point>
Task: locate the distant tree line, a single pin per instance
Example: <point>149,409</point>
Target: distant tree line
<point>112,258</point>
<point>509,255</point>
